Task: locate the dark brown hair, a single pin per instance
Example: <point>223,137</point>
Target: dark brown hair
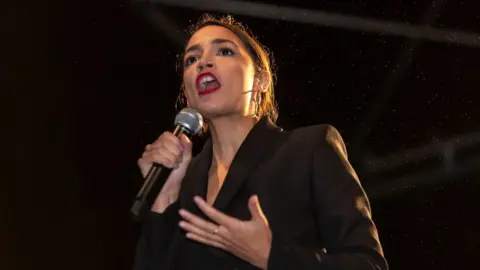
<point>260,55</point>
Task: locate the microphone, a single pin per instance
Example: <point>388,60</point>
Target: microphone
<point>189,122</point>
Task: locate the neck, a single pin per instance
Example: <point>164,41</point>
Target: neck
<point>227,135</point>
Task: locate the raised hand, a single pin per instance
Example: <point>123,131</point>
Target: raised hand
<point>172,152</point>
<point>249,240</point>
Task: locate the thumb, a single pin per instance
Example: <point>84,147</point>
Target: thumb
<point>255,209</point>
<point>187,146</point>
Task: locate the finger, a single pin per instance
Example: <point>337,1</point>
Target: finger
<point>160,157</point>
<point>187,146</point>
<point>145,159</point>
<point>174,157</point>
<point>170,139</point>
<point>166,158</point>
<point>205,241</point>
<point>198,221</point>
<point>144,165</point>
<point>216,215</point>
<point>210,235</point>
<point>185,141</point>
<point>172,147</point>
<point>255,208</point>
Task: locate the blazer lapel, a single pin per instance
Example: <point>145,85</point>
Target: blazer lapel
<point>196,179</point>
<point>258,143</point>
<point>194,183</point>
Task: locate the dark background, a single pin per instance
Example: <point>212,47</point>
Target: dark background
<point>86,84</point>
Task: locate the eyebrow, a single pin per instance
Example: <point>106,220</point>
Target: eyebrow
<point>197,47</point>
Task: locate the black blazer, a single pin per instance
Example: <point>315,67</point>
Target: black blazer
<point>317,209</point>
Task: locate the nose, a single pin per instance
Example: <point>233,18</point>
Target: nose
<point>203,64</point>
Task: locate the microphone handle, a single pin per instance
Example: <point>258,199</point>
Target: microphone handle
<point>153,184</point>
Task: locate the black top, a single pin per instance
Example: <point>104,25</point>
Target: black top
<point>317,209</point>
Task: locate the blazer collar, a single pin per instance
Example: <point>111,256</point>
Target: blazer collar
<point>259,142</point>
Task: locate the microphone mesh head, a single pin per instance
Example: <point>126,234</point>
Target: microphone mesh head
<point>189,119</point>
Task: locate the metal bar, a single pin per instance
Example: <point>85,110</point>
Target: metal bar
<point>161,22</point>
<point>439,148</point>
<point>391,82</point>
<point>398,186</point>
<point>322,18</point>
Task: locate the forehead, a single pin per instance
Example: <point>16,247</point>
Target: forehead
<point>211,32</point>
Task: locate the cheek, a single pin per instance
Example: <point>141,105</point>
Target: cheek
<point>248,79</point>
<point>243,77</point>
<point>246,73</point>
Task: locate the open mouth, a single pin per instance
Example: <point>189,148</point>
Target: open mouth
<point>207,83</point>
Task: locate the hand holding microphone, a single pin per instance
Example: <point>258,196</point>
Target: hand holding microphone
<point>173,153</point>
<point>164,164</point>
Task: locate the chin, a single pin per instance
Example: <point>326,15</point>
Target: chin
<point>210,110</point>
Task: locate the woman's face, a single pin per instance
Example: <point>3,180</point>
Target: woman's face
<point>218,73</point>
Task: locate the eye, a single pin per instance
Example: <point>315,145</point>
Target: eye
<point>190,60</point>
<point>225,51</point>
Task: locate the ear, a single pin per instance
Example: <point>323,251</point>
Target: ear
<point>184,95</point>
<point>262,80</point>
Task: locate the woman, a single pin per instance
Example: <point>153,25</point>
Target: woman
<point>256,197</point>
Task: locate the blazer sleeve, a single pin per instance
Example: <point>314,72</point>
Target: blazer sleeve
<point>343,216</point>
<point>156,236</point>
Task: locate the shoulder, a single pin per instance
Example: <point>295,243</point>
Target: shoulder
<point>320,136</point>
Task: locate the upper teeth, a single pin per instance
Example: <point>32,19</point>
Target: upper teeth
<point>207,79</point>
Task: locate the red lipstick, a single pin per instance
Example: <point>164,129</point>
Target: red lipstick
<point>207,83</point>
